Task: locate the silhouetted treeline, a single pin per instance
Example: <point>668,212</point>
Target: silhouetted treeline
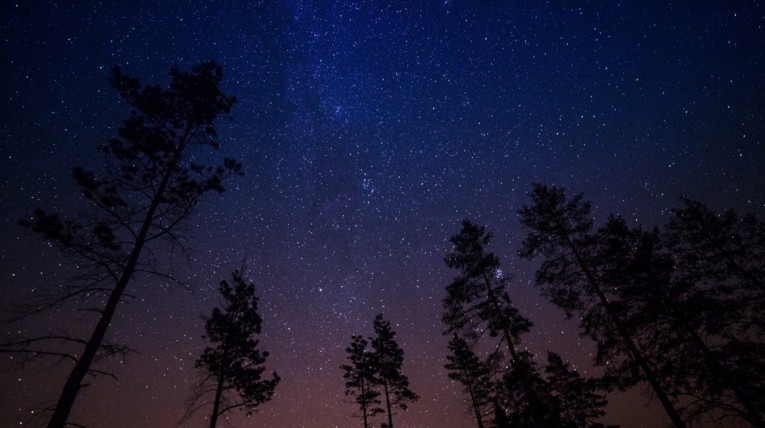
<point>680,307</point>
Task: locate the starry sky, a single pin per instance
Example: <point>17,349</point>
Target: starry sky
<point>367,131</point>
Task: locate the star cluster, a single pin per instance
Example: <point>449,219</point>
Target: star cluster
<point>367,131</point>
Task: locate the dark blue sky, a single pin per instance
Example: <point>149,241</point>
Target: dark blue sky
<point>367,131</point>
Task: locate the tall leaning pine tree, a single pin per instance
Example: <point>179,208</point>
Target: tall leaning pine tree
<point>560,230</point>
<point>148,186</point>
<point>691,311</point>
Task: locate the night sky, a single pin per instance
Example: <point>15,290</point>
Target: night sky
<point>367,131</point>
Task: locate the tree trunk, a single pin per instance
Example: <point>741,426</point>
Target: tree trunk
<point>80,370</point>
<point>387,403</point>
<point>476,408</point>
<point>364,405</point>
<point>216,403</point>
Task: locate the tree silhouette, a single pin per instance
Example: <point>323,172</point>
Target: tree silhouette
<point>655,311</point>
<point>149,186</point>
<point>476,299</point>
<point>718,310</point>
<point>561,231</point>
<point>466,367</point>
<point>360,379</point>
<point>233,366</point>
<point>387,359</point>
<point>683,300</point>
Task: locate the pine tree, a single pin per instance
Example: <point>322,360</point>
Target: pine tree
<point>477,299</point>
<point>387,359</point>
<point>718,309</point>
<point>675,319</point>
<point>233,365</point>
<point>360,378</point>
<point>149,186</point>
<point>561,231</point>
